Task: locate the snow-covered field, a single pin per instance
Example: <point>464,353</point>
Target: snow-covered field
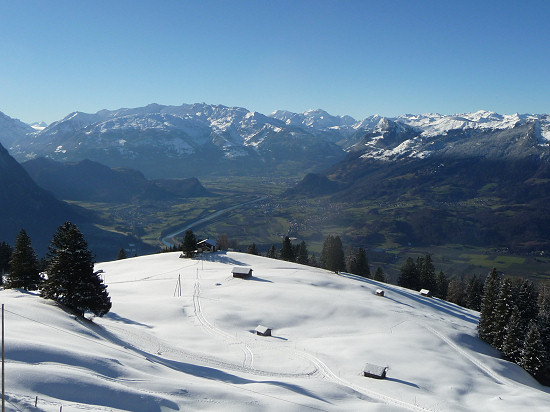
<point>160,349</point>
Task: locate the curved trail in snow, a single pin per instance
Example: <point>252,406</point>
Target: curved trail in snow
<point>248,355</point>
<point>320,366</point>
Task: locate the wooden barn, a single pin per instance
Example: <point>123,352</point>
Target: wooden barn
<point>242,272</point>
<point>206,245</point>
<point>263,330</point>
<point>379,292</point>
<point>425,292</point>
<point>375,371</point>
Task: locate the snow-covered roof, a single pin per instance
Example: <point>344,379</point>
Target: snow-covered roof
<point>242,270</point>
<point>207,242</point>
<point>262,329</point>
<point>376,370</point>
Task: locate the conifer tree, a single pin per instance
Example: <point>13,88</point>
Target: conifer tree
<point>426,271</point>
<point>543,322</point>
<point>527,299</point>
<point>287,251</point>
<point>313,260</point>
<point>302,255</point>
<point>474,293</point>
<point>252,249</point>
<point>532,355</point>
<point>502,313</point>
<point>24,270</point>
<point>362,262</point>
<point>332,255</point>
<point>121,254</point>
<point>71,280</point>
<point>272,252</point>
<point>379,275</point>
<point>455,292</point>
<point>189,245</point>
<point>442,285</point>
<point>5,256</point>
<point>513,338</point>
<point>409,277</point>
<point>491,289</point>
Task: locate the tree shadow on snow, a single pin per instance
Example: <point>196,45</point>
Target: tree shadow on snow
<point>118,318</point>
<point>441,305</point>
<point>221,257</point>
<point>438,304</point>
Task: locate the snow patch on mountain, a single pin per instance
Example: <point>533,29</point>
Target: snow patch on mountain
<point>433,124</point>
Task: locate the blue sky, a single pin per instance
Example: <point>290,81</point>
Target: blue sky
<point>347,57</point>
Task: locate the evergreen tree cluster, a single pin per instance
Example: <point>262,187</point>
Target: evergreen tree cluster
<point>516,320</point>
<point>467,293</point>
<point>421,275</point>
<point>69,271</point>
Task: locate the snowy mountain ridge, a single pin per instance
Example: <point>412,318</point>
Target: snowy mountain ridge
<point>156,134</point>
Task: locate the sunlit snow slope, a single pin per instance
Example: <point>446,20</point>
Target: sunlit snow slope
<point>180,337</point>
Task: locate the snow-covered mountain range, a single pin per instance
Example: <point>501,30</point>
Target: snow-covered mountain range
<point>156,138</point>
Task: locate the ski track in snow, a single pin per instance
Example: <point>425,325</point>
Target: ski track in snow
<point>485,369</point>
<point>248,354</point>
<point>319,364</point>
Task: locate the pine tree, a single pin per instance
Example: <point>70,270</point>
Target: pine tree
<point>24,272</point>
<point>252,249</point>
<point>474,293</point>
<point>442,285</point>
<point>491,289</point>
<point>379,275</point>
<point>502,313</point>
<point>532,355</point>
<point>287,251</point>
<point>302,255</point>
<point>426,270</point>
<point>189,245</point>
<point>513,338</point>
<point>409,277</point>
<point>5,256</point>
<point>272,252</point>
<point>455,292</point>
<point>121,254</point>
<point>527,302</point>
<point>71,280</point>
<point>332,255</point>
<point>543,322</point>
<point>313,260</point>
<point>363,268</point>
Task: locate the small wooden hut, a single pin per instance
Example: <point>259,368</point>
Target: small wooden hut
<point>375,371</point>
<point>241,272</point>
<point>425,292</point>
<point>263,330</point>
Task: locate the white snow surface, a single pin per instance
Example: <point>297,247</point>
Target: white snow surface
<point>180,336</point>
<point>433,124</point>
